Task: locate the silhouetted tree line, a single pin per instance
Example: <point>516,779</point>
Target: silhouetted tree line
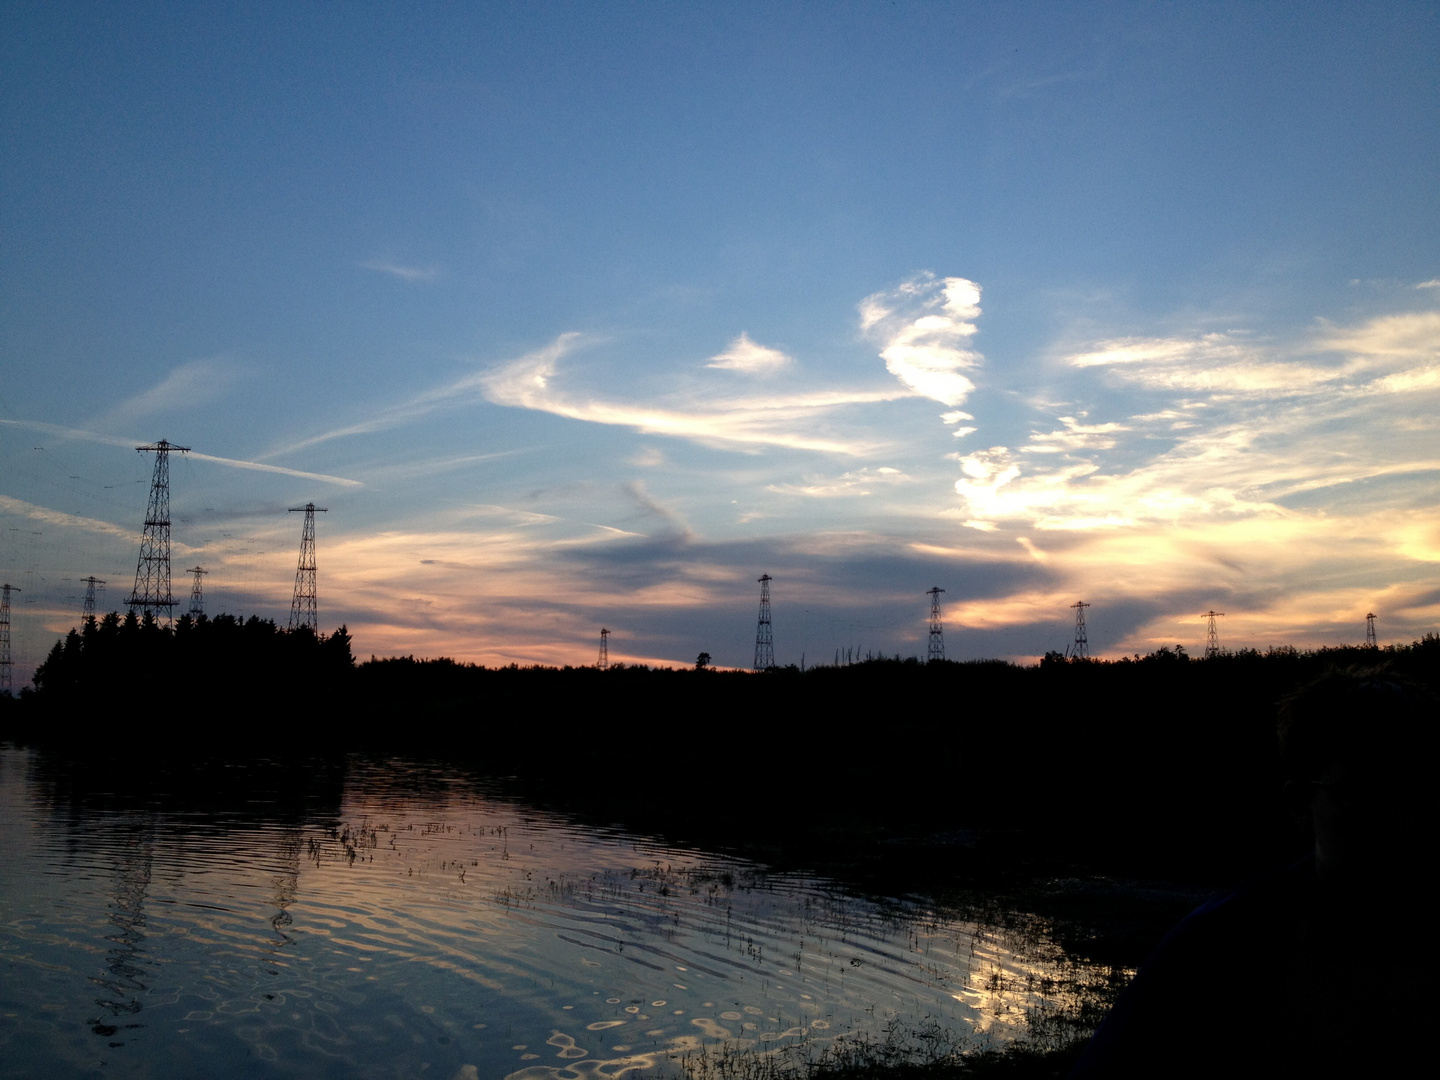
<point>198,674</point>
<point>1161,759</point>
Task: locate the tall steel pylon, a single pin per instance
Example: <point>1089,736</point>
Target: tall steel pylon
<point>1370,641</point>
<point>1081,649</point>
<point>604,661</point>
<point>302,604</point>
<point>764,642</point>
<point>1212,640</point>
<point>151,593</point>
<point>5,590</point>
<point>197,594</point>
<point>88,611</point>
<point>936,650</point>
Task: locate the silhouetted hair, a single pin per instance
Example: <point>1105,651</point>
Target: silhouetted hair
<point>1355,712</point>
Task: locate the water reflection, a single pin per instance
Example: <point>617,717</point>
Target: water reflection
<point>125,961</point>
<point>397,918</point>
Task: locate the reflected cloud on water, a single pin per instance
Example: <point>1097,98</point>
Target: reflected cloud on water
<point>400,918</point>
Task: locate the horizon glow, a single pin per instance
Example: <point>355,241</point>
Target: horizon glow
<point>578,317</point>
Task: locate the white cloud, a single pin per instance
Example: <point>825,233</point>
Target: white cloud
<point>1433,283</point>
<point>404,273</point>
<point>788,420</point>
<point>857,482</point>
<point>752,359</point>
<point>1251,426</point>
<point>923,328</point>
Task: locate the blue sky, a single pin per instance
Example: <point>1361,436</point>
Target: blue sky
<point>578,315</point>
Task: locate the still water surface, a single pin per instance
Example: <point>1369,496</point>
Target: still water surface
<point>413,923</point>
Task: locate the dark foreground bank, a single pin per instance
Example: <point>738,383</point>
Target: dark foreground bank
<point>1055,788</point>
<point>1158,766</point>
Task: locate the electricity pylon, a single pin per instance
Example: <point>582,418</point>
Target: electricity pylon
<point>151,593</point>
<point>604,649</point>
<point>764,642</point>
<point>1212,640</point>
<point>936,650</point>
<point>88,611</point>
<point>302,604</point>
<point>5,590</point>
<point>197,596</point>
<point>1370,641</point>
<point>1081,649</point>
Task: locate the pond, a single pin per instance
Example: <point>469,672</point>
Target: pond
<point>401,918</point>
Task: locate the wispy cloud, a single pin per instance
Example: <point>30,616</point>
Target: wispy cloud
<point>1273,467</point>
<point>745,356</point>
<point>187,386</point>
<point>856,482</point>
<point>923,328</point>
<point>786,420</point>
<point>404,273</point>
<point>234,463</point>
<point>60,519</point>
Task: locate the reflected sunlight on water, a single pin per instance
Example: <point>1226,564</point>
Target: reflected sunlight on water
<point>417,924</point>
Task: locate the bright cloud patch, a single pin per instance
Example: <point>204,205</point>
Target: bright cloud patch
<point>923,328</point>
<point>752,359</point>
<point>1249,429</point>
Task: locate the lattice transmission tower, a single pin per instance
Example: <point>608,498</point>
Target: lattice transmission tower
<point>1370,641</point>
<point>302,604</point>
<point>764,642</point>
<point>936,651</point>
<point>1212,639</point>
<point>151,594</point>
<point>197,594</point>
<point>5,591</point>
<point>88,611</point>
<point>1081,649</point>
<point>604,661</point>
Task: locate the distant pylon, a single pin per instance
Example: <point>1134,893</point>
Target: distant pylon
<point>764,642</point>
<point>302,604</point>
<point>151,593</point>
<point>1370,631</point>
<point>5,591</point>
<point>604,649</point>
<point>937,634</point>
<point>88,612</point>
<point>1081,649</point>
<point>1212,640</point>
<point>197,595</point>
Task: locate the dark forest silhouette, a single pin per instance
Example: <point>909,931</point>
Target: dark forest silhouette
<point>1161,759</point>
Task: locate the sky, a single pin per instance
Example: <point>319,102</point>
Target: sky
<point>587,315</point>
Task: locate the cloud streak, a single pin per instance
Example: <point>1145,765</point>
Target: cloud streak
<point>404,273</point>
<point>233,463</point>
<point>781,420</point>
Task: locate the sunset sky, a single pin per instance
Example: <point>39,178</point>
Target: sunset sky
<point>583,315</point>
